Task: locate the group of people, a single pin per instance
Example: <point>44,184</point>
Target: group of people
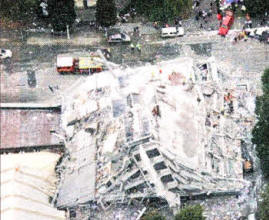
<point>125,17</point>
<point>202,14</point>
<point>243,35</point>
<point>138,47</point>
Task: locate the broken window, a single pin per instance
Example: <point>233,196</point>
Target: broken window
<point>160,166</point>
<point>167,178</point>
<point>137,157</point>
<point>137,174</point>
<point>153,153</point>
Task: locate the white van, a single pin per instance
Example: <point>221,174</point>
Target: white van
<point>172,32</point>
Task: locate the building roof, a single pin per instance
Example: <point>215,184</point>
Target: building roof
<point>26,187</point>
<point>25,128</point>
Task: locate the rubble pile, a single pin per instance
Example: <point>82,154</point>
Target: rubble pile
<point>169,131</point>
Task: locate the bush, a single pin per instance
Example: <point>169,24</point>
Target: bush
<point>190,213</point>
<point>106,13</point>
<point>263,208</point>
<point>261,130</point>
<point>153,215</point>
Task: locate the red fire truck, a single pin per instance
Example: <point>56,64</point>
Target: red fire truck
<point>227,22</point>
<point>87,64</point>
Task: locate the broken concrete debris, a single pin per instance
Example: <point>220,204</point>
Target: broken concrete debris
<point>142,133</point>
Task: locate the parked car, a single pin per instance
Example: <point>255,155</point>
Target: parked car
<point>227,23</point>
<point>172,32</point>
<point>118,38</point>
<point>261,34</point>
<point>4,54</point>
<point>265,37</point>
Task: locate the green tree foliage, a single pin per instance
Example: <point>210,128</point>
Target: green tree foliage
<point>261,130</point>
<point>257,8</point>
<point>61,13</point>
<point>18,10</point>
<point>106,13</point>
<point>263,208</point>
<point>190,213</point>
<point>153,215</point>
<point>163,10</point>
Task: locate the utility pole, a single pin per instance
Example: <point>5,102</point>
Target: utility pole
<point>67,32</point>
<point>164,16</point>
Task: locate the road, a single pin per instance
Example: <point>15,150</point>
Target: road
<point>17,85</point>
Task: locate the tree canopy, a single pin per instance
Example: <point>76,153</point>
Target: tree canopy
<point>261,130</point>
<point>61,13</point>
<point>257,8</point>
<point>18,10</point>
<point>190,213</point>
<point>263,208</point>
<point>106,13</point>
<point>163,10</point>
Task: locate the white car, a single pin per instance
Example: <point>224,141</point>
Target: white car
<point>172,32</point>
<point>261,34</point>
<point>4,54</point>
<point>117,38</point>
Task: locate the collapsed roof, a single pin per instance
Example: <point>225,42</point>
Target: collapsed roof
<point>160,130</point>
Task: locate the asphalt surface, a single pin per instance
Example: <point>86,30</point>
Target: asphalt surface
<point>30,76</point>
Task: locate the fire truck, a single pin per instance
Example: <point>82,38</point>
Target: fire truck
<point>227,23</point>
<point>82,65</point>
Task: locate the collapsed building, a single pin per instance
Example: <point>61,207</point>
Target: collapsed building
<point>169,131</point>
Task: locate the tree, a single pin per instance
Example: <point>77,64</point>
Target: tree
<point>257,8</point>
<point>106,13</point>
<point>61,14</point>
<point>190,213</point>
<point>153,215</point>
<point>163,10</point>
<point>18,10</point>
<point>263,208</point>
<point>261,130</point>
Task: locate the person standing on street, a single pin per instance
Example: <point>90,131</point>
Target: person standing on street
<point>132,47</point>
<point>138,47</point>
<point>248,22</point>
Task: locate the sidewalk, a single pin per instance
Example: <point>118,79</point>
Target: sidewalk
<point>74,41</point>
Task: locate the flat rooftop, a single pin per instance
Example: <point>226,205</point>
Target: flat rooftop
<point>28,127</point>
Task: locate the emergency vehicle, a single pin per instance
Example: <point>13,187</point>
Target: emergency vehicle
<point>227,23</point>
<point>87,64</point>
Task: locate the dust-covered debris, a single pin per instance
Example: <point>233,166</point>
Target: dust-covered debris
<point>169,131</point>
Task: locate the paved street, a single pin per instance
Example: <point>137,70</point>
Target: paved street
<point>251,57</point>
